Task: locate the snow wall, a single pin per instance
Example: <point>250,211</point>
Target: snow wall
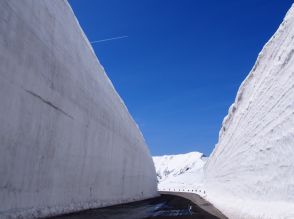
<point>67,141</point>
<point>250,173</point>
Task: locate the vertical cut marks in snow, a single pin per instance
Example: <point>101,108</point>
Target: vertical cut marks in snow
<point>67,141</point>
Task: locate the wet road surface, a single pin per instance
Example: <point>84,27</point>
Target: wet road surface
<point>163,207</point>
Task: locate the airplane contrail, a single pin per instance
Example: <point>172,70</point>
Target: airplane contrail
<point>108,39</point>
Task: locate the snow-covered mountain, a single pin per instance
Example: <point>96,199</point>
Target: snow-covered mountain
<point>250,174</point>
<point>180,171</point>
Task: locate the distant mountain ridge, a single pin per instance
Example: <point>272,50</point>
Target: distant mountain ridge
<point>180,171</point>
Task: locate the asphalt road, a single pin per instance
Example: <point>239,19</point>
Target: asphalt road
<point>198,201</point>
<point>167,206</point>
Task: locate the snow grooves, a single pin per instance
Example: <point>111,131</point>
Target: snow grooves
<point>253,161</point>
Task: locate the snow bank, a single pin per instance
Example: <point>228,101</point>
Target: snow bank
<point>250,173</point>
<point>67,141</point>
<point>182,171</point>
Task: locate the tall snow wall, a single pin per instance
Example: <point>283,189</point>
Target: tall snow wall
<point>67,141</point>
<point>250,173</point>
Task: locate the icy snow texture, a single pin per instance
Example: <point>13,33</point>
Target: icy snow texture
<point>182,171</point>
<point>67,141</point>
<point>250,174</point>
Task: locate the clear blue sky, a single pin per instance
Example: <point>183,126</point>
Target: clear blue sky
<point>182,63</point>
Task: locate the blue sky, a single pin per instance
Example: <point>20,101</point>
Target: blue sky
<point>180,67</point>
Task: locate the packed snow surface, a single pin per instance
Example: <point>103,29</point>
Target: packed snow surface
<point>250,173</point>
<point>67,141</point>
<point>182,171</point>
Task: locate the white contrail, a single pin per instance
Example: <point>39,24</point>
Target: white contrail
<point>108,39</point>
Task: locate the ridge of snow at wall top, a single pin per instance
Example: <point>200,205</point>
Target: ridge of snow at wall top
<point>250,173</point>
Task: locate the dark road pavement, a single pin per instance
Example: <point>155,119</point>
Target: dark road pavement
<point>167,206</point>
